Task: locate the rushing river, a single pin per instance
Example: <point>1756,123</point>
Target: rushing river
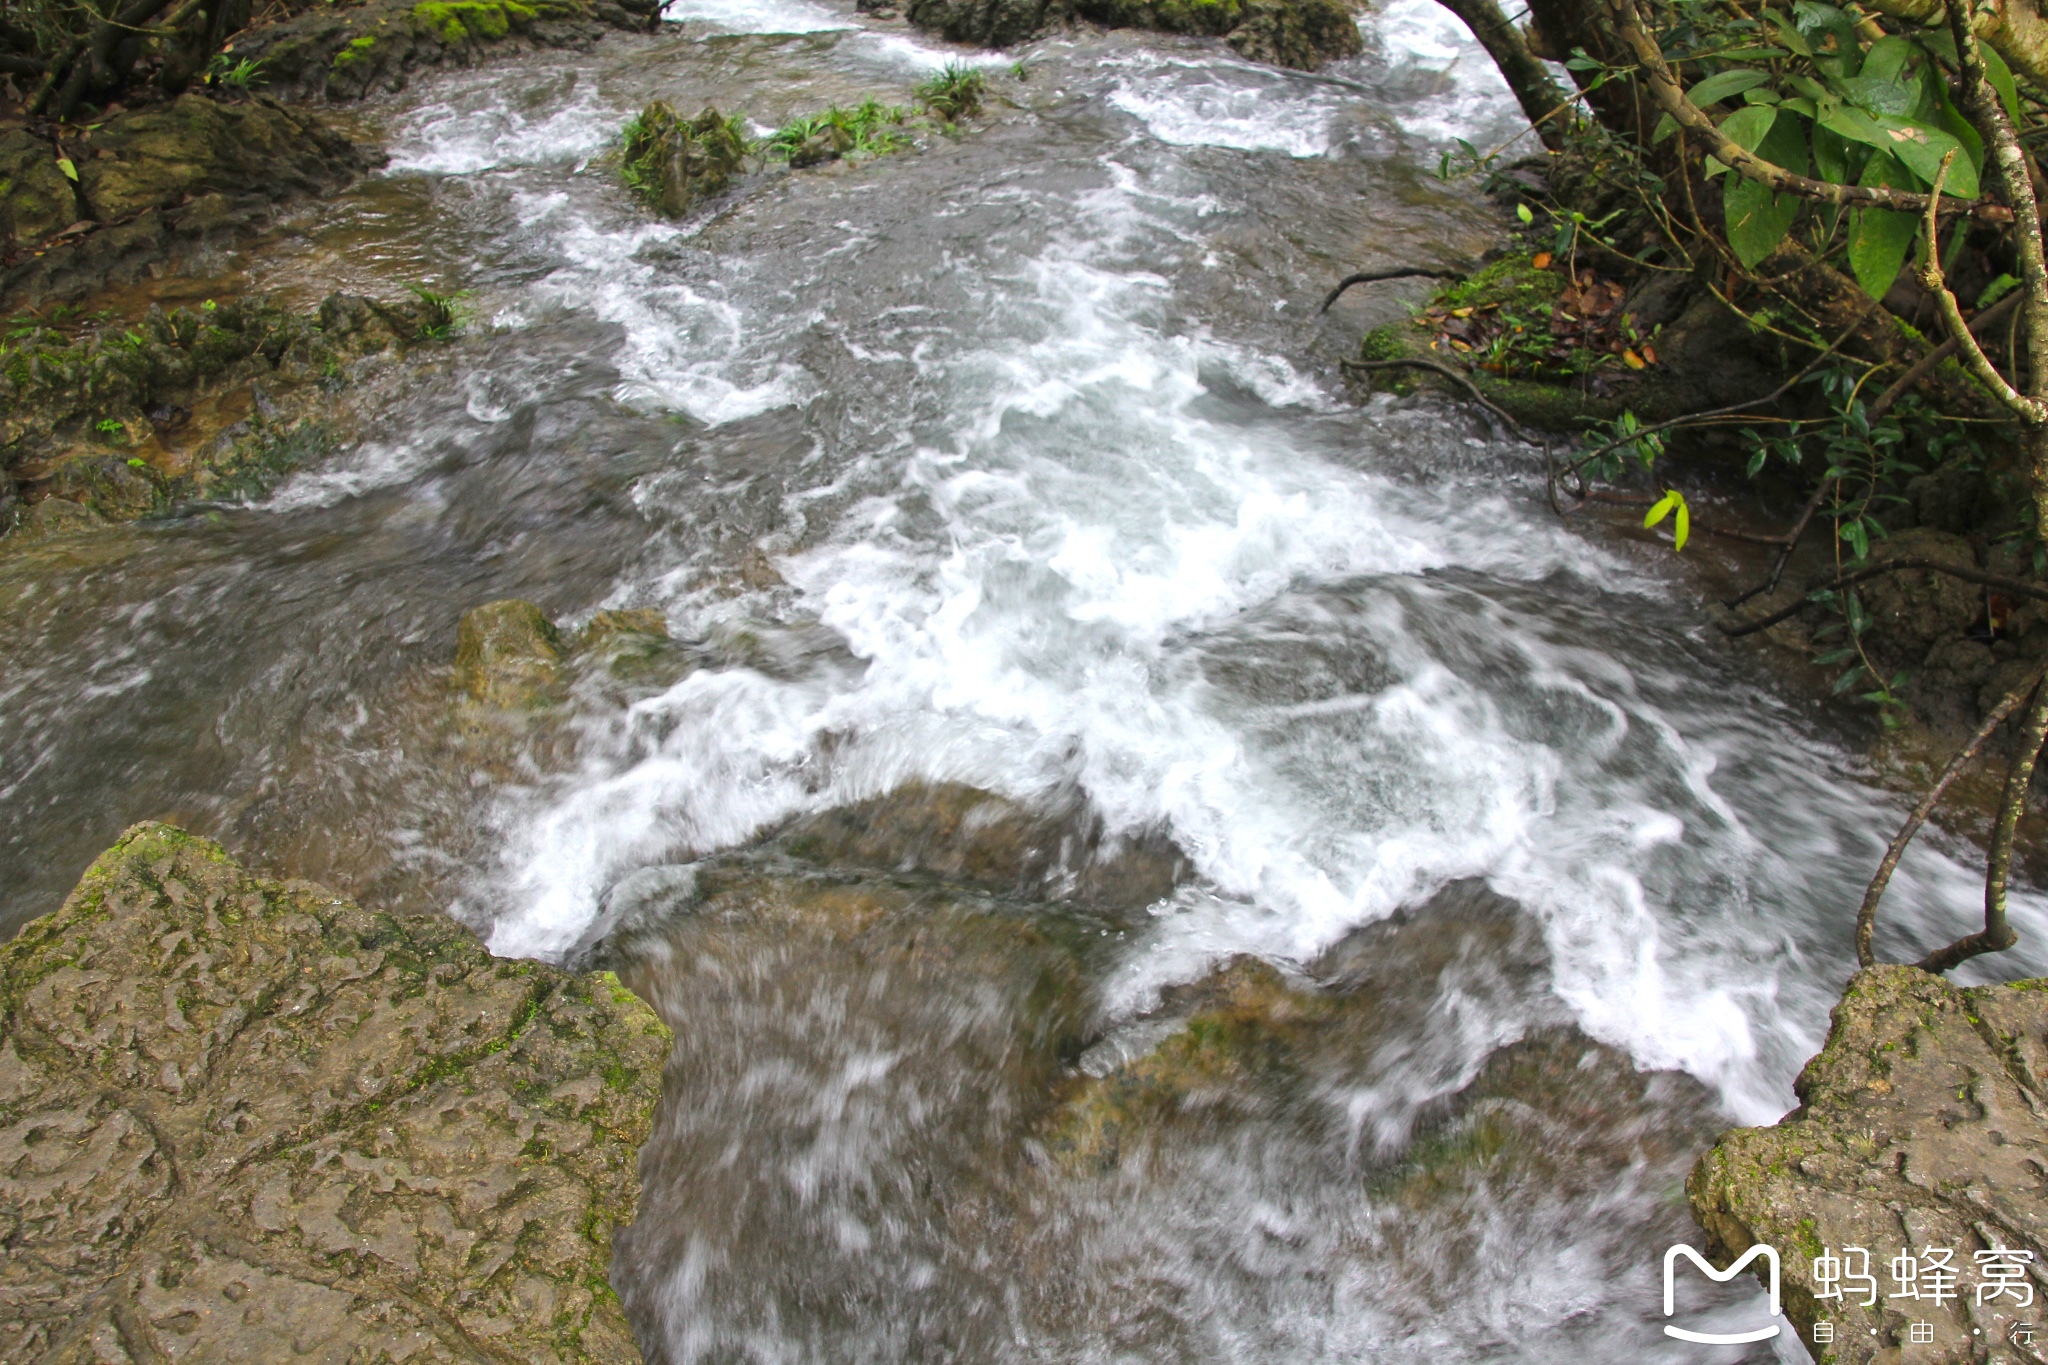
<point>1015,460</point>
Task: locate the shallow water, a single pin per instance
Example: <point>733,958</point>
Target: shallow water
<point>1014,460</point>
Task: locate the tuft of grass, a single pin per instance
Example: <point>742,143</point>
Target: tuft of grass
<point>954,92</point>
<point>245,74</point>
<point>440,315</point>
<point>871,128</point>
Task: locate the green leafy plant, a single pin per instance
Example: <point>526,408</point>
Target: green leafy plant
<point>954,92</point>
<point>440,315</point>
<point>242,74</point>
<point>1672,504</point>
<point>870,128</point>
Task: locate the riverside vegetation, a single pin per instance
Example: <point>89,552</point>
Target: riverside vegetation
<point>673,163</point>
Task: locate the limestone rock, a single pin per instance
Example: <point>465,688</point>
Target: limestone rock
<point>35,199</point>
<point>675,163</point>
<point>963,834</point>
<point>1920,1126</point>
<point>245,1120</point>
<point>1302,34</point>
<point>507,654</point>
<point>1912,609</point>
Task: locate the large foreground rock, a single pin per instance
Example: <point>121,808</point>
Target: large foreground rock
<point>1920,1126</point>
<point>250,1121</point>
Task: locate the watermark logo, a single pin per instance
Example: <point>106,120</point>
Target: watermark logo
<point>1770,1258</point>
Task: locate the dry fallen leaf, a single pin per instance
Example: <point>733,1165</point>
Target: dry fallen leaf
<point>1541,260</point>
<point>1632,360</point>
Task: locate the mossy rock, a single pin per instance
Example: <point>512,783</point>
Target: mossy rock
<point>258,1120</point>
<point>674,164</point>
<point>458,21</point>
<point>507,654</point>
<point>36,200</point>
<point>1919,1125</point>
<point>1303,34</point>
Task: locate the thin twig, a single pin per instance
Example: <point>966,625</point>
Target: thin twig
<point>1788,543</point>
<point>1925,365</point>
<point>1866,916</point>
<point>1997,935</point>
<point>1733,408</point>
<point>1933,281</point>
<point>1447,372</point>
<point>1990,580</point>
<point>1375,276</point>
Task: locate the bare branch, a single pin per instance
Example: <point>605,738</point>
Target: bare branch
<point>1376,276</point>
<point>1925,366</point>
<point>2015,586</point>
<point>1935,283</point>
<point>1866,916</point>
<point>1463,381</point>
<point>1997,935</point>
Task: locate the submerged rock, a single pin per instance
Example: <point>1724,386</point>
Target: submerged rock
<point>507,654</point>
<point>255,1121</point>
<point>1302,34</point>
<point>674,164</point>
<point>1920,1127</point>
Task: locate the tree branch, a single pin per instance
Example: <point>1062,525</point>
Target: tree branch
<point>1463,381</point>
<point>1926,364</point>
<point>1866,916</point>
<point>1997,935</point>
<point>1415,272</point>
<point>2015,586</point>
<point>1935,283</point>
<point>1664,89</point>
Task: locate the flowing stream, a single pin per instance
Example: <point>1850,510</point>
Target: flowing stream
<point>1015,460</point>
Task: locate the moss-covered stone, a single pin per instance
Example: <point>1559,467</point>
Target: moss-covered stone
<point>1920,1125</point>
<point>1297,33</point>
<point>1303,34</point>
<point>673,164</point>
<point>507,654</point>
<point>257,1120</point>
<point>198,402</point>
<point>36,200</point>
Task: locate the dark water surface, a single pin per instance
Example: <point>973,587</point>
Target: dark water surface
<point>1014,461</point>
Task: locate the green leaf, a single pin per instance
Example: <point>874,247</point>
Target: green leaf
<point>1918,147</point>
<point>1522,212</point>
<point>1681,529</point>
<point>1831,155</point>
<point>1880,238</point>
<point>1997,290</point>
<point>1758,219</point>
<point>1666,126</point>
<point>1878,242</point>
<point>1788,34</point>
<point>1847,680</point>
<point>1749,126</point>
<point>64,165</point>
<point>1662,509</point>
<point>2000,76</point>
<point>1719,87</point>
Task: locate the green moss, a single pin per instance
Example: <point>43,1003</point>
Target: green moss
<point>485,20</point>
<point>357,50</point>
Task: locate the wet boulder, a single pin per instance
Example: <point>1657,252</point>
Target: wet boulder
<point>36,200</point>
<point>1912,609</point>
<point>963,834</point>
<point>260,1122</point>
<point>987,23</point>
<point>1303,34</point>
<point>507,654</point>
<point>1920,1126</point>
<point>673,163</point>
<point>158,157</point>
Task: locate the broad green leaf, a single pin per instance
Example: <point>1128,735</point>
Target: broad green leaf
<point>1803,107</point>
<point>1788,33</point>
<point>1522,212</point>
<point>1760,95</point>
<point>1662,509</point>
<point>1681,529</point>
<point>1666,126</point>
<point>1713,167</point>
<point>1758,219</point>
<point>1720,87</point>
<point>1887,59</point>
<point>1950,120</point>
<point>1831,155</point>
<point>1880,238</point>
<point>64,165</point>
<point>1878,242</point>
<point>1749,125</point>
<point>2000,76</point>
<point>1918,147</point>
